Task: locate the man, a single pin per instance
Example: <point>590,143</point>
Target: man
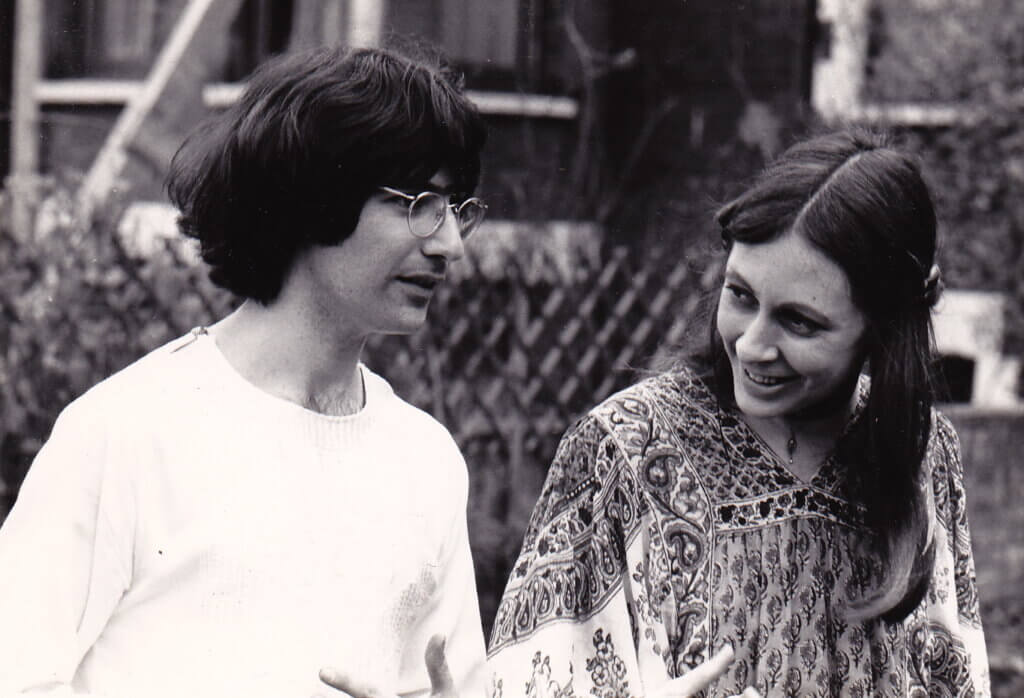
<point>249,506</point>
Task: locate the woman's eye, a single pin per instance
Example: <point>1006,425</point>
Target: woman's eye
<point>740,294</point>
<point>800,325</point>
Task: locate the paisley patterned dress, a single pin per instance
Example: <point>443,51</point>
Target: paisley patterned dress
<point>667,528</point>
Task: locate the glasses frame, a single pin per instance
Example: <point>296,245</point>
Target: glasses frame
<point>455,209</point>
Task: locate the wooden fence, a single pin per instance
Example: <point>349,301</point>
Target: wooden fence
<point>515,349</point>
<point>508,362</point>
<point>511,356</point>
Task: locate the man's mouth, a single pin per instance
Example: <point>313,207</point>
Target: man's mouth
<point>425,281</point>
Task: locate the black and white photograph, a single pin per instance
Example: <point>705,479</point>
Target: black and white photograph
<point>512,348</point>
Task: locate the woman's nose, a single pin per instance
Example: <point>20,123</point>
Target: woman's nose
<point>757,343</point>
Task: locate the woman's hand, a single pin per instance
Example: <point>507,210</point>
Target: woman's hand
<point>701,677</point>
<point>441,684</point>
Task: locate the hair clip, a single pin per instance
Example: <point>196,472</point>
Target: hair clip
<point>932,287</point>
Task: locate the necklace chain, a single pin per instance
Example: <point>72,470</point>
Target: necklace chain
<point>791,445</point>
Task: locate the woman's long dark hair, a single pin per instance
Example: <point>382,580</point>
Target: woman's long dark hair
<point>864,204</point>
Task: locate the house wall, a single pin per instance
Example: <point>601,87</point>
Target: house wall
<point>6,74</point>
<point>525,154</point>
<point>659,93</point>
<point>721,85</point>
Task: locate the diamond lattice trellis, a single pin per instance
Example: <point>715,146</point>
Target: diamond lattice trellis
<point>507,364</point>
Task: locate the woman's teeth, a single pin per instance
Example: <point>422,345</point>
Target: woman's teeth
<point>764,380</point>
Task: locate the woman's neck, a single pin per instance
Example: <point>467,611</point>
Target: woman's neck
<point>800,442</point>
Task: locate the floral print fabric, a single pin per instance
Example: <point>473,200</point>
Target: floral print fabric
<point>666,528</point>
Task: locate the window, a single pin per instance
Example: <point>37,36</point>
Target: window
<point>120,39</point>
<point>102,38</point>
<point>502,46</point>
<point>498,43</point>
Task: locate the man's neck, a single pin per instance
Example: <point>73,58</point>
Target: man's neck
<point>291,356</point>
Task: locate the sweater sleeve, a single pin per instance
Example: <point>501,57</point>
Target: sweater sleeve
<point>454,612</point>
<point>64,558</point>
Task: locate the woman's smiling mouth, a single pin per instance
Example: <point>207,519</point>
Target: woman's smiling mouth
<point>766,381</point>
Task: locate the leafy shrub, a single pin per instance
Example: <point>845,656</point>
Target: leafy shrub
<point>79,304</point>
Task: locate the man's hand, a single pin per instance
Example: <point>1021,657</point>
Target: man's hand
<point>441,684</point>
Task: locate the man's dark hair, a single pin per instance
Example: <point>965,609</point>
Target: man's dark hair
<point>292,163</point>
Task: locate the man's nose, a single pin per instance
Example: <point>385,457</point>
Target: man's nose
<point>447,239</point>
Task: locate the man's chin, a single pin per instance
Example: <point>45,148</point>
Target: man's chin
<point>406,326</point>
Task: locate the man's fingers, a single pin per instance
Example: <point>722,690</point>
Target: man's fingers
<point>701,677</point>
<point>349,684</point>
<point>441,683</point>
<point>437,667</point>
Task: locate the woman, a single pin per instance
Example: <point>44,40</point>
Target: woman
<point>789,490</point>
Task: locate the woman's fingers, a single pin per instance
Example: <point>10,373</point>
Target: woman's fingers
<point>354,687</point>
<point>749,692</point>
<point>700,677</point>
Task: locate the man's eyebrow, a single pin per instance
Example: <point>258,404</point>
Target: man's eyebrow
<point>448,189</point>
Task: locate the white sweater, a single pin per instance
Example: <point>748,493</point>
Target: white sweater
<point>183,533</point>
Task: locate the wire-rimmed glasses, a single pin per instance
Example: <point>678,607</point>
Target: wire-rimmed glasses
<point>428,209</point>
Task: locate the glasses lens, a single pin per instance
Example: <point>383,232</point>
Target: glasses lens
<point>426,213</point>
<point>471,213</point>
